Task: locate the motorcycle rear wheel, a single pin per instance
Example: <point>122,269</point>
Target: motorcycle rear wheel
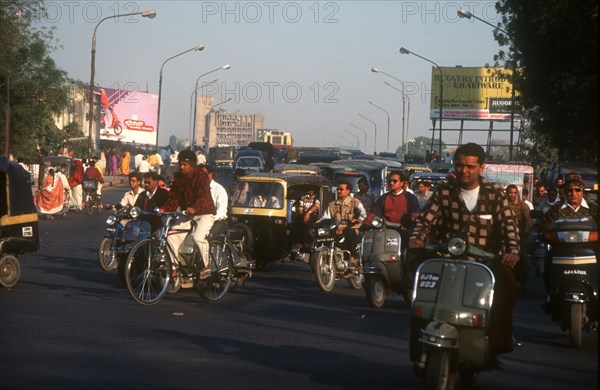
<point>118,129</point>
<point>89,204</point>
<point>215,287</point>
<point>105,257</point>
<point>575,330</point>
<point>440,371</point>
<point>375,290</point>
<point>10,270</point>
<point>324,270</point>
<point>147,272</point>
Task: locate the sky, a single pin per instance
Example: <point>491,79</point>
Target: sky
<point>304,65</point>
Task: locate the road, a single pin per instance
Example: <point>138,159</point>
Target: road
<point>68,324</point>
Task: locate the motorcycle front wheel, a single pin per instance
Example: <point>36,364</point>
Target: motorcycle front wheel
<point>356,281</point>
<point>105,255</point>
<point>10,270</point>
<point>215,287</point>
<point>440,371</point>
<point>575,330</point>
<point>324,270</point>
<point>147,272</point>
<point>375,290</point>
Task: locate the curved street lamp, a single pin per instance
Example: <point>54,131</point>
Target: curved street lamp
<point>195,48</point>
<point>405,51</point>
<point>363,131</point>
<point>150,14</point>
<point>226,66</point>
<point>374,124</point>
<point>195,92</point>
<point>388,124</point>
<point>355,136</point>
<point>404,100</point>
<point>405,140</point>
<point>463,13</point>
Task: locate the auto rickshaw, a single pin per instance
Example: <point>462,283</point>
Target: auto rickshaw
<point>18,220</point>
<point>266,204</point>
<point>351,171</point>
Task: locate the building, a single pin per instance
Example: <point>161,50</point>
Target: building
<point>217,127</point>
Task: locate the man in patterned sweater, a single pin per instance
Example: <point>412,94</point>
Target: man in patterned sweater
<point>480,211</point>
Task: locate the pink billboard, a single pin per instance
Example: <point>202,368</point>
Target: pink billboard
<point>127,116</point>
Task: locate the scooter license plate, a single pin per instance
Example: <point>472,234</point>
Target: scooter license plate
<point>428,280</point>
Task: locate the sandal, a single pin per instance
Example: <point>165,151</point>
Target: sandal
<point>205,273</point>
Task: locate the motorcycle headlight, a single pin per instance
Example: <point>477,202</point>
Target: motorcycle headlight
<point>457,246</point>
<point>134,212</point>
<point>111,220</point>
<point>377,222</point>
<point>322,232</point>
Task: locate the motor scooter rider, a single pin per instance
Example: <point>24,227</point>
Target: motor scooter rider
<point>573,206</point>
<point>477,209</point>
<point>348,208</point>
<point>395,203</point>
<point>135,189</point>
<point>190,191</point>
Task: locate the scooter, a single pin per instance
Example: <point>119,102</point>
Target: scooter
<point>116,123</point>
<point>328,261</point>
<point>571,275</point>
<point>452,300</point>
<point>384,265</point>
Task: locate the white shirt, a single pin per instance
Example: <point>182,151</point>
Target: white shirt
<point>129,198</point>
<point>59,175</point>
<point>219,195</point>
<point>144,166</point>
<point>583,204</point>
<point>470,198</point>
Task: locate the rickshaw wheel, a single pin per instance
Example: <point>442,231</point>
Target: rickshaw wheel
<point>9,270</point>
<point>216,286</point>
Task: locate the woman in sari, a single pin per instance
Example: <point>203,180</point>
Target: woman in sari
<point>125,159</point>
<point>50,198</point>
<point>75,182</point>
<point>114,164</point>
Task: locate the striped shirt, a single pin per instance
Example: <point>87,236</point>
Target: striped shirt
<point>491,226</point>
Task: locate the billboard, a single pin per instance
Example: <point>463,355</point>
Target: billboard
<point>127,115</point>
<point>473,94</point>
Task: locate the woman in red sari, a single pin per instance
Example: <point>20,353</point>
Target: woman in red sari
<point>50,198</point>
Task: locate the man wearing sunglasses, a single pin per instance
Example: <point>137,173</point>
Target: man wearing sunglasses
<point>394,204</point>
<point>573,206</point>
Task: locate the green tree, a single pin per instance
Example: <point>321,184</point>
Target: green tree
<point>30,81</point>
<point>555,45</point>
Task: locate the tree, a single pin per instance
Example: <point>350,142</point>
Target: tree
<point>555,45</point>
<point>30,81</point>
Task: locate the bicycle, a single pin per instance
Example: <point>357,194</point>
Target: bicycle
<point>149,270</point>
<point>91,199</point>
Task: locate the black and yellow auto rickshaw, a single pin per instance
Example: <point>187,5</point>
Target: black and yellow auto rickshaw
<point>266,204</point>
<point>18,220</point>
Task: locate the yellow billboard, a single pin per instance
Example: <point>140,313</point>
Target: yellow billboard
<point>473,94</point>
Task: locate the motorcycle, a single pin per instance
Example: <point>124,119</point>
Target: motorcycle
<point>452,300</point>
<point>123,230</point>
<point>384,264</point>
<point>571,275</point>
<point>538,255</point>
<point>328,261</point>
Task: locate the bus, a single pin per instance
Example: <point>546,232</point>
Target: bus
<point>278,138</point>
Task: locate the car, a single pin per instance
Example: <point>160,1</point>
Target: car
<point>250,160</point>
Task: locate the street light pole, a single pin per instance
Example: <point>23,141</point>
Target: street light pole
<point>404,99</point>
<point>355,136</point>
<point>463,13</point>
<point>405,51</point>
<point>227,66</point>
<point>347,141</point>
<point>404,136</point>
<point>363,131</point>
<point>388,123</point>
<point>195,48</point>
<point>145,14</point>
<point>194,92</point>
<point>374,124</point>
